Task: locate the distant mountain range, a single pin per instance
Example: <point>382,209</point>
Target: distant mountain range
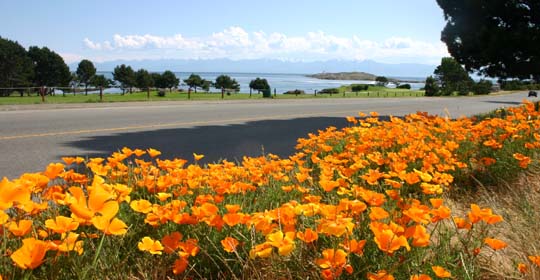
<point>272,66</point>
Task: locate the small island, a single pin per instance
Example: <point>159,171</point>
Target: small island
<point>344,76</point>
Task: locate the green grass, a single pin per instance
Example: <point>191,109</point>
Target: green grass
<point>177,96</point>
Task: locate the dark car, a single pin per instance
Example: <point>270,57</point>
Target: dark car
<point>533,93</point>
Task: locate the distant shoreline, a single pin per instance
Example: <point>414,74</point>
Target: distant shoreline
<point>354,76</point>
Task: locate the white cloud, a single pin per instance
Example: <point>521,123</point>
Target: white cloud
<point>71,57</point>
<point>236,43</point>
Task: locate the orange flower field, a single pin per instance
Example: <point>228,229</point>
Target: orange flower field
<point>364,202</point>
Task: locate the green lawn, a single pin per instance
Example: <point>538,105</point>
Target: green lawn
<point>172,96</point>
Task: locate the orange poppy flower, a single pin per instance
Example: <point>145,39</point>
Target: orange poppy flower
<point>380,275</point>
<point>495,244</point>
<point>151,246</point>
<point>142,206</point>
<point>535,260</point>
<point>232,219</point>
<point>229,244</point>
<point>53,170</point>
<point>389,242</point>
<point>31,254</point>
<point>308,235</point>
<point>189,248</point>
<point>20,228</point>
<point>419,235</point>
<point>284,242</point>
<point>262,250</point>
<point>70,243</point>
<point>372,177</point>
<point>328,185</point>
<point>61,224</point>
<point>522,268</point>
<point>354,246</point>
<point>524,161</point>
<point>180,265</point>
<point>99,201</point>
<point>171,242</point>
<point>108,226</point>
<point>441,272</point>
<point>153,152</point>
<point>462,223</point>
<point>11,193</point>
<point>335,261</point>
<point>197,157</point>
<point>378,213</point>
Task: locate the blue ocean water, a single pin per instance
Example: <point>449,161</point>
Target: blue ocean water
<point>280,82</point>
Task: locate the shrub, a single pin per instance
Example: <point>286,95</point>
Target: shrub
<point>329,91</point>
<point>161,93</point>
<point>295,92</point>
<point>432,87</point>
<point>404,86</point>
<point>513,85</point>
<point>482,87</point>
<point>356,88</point>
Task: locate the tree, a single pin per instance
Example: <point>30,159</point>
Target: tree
<point>206,85</point>
<point>259,84</point>
<point>496,38</point>
<point>144,80</point>
<point>225,82</point>
<point>50,69</point>
<point>381,80</point>
<point>85,72</point>
<point>452,76</point>
<point>158,80</point>
<point>431,87</point>
<point>16,68</point>
<point>169,80</point>
<point>101,82</point>
<point>482,87</point>
<point>125,76</point>
<point>194,81</point>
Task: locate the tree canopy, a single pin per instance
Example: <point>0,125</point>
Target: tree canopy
<point>100,81</point>
<point>16,68</point>
<point>194,81</point>
<point>125,76</point>
<point>226,82</point>
<point>259,84</point>
<point>85,72</point>
<point>452,77</point>
<point>169,80</point>
<point>497,38</point>
<point>50,68</point>
<point>143,79</point>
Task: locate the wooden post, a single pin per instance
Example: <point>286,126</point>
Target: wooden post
<point>100,93</point>
<point>42,92</point>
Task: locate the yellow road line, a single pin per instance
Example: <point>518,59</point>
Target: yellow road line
<point>164,125</point>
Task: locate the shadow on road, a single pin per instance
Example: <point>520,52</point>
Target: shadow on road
<point>513,103</point>
<point>230,142</point>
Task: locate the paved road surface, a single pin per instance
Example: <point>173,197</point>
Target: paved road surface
<point>34,135</point>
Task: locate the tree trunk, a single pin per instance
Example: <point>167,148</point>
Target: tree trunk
<point>85,89</point>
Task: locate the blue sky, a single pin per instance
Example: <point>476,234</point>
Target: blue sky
<point>391,31</point>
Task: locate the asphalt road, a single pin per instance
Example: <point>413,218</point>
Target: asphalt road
<point>34,135</point>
